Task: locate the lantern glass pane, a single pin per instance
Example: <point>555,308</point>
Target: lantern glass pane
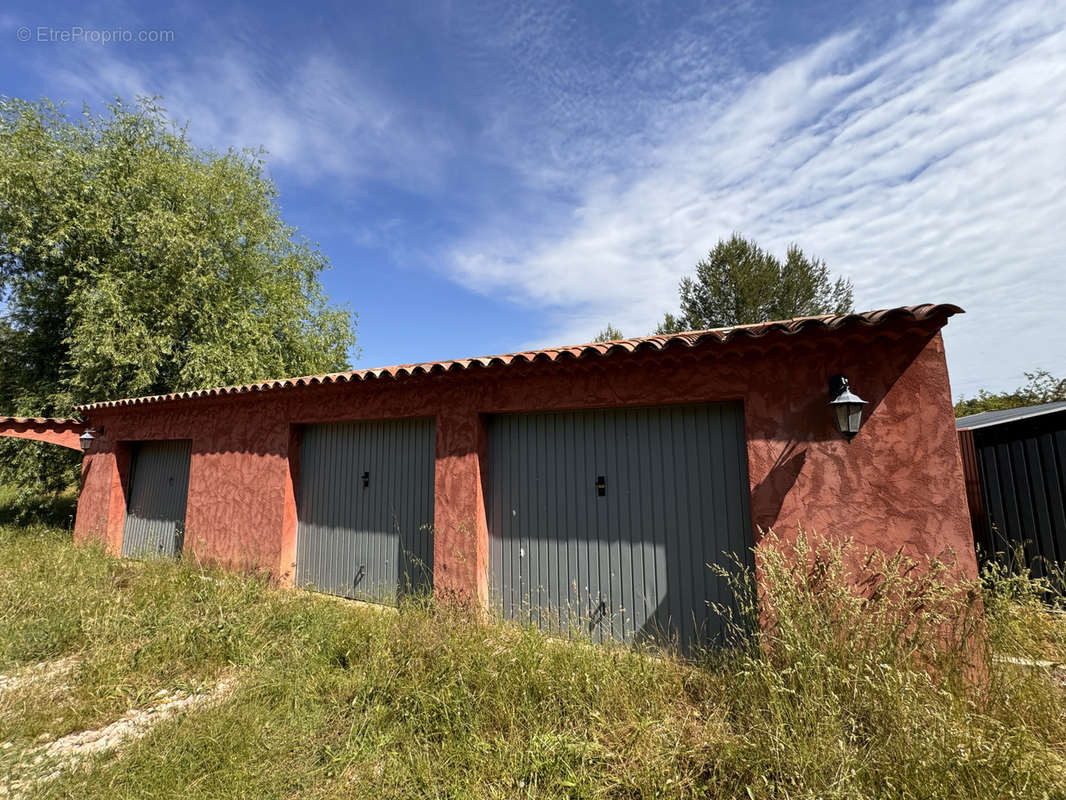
<point>841,412</point>
<point>854,417</point>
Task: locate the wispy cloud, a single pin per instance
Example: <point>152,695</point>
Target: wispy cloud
<point>314,112</point>
<point>579,161</point>
<point>931,166</point>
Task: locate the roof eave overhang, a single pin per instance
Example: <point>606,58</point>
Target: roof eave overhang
<point>927,315</point>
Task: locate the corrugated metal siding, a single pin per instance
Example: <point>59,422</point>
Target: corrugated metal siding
<point>1022,468</point>
<point>987,419</point>
<point>366,508</point>
<point>159,488</point>
<point>633,563</point>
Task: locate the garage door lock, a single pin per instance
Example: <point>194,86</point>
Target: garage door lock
<point>601,486</point>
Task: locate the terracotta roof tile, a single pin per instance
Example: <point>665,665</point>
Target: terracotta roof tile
<point>39,421</point>
<point>789,327</point>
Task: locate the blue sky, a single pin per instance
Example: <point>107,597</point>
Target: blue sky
<point>490,177</point>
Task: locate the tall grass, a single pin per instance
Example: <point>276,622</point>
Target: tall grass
<point>871,675</point>
<point>841,693</point>
<point>1026,606</point>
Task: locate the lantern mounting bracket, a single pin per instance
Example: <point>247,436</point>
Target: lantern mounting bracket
<point>837,384</point>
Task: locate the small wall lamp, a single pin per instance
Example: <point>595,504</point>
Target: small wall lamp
<point>846,406</point>
<point>86,440</point>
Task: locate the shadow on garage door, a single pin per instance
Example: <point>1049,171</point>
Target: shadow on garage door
<point>365,508</point>
<point>158,495</point>
<point>605,521</point>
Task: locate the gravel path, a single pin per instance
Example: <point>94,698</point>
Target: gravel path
<point>48,760</point>
<point>134,724</point>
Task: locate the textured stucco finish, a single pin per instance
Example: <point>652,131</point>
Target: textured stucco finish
<point>899,484</point>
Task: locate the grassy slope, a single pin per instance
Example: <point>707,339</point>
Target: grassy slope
<point>338,700</point>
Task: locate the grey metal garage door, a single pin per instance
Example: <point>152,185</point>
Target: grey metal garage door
<point>607,519</point>
<point>366,508</point>
<point>158,491</point>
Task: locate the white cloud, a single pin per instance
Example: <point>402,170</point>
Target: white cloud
<point>930,167</point>
<point>313,112</point>
<point>585,178</point>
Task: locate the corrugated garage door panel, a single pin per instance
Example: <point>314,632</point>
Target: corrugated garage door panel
<point>366,508</point>
<point>158,491</point>
<point>626,557</point>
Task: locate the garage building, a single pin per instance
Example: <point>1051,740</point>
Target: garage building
<point>585,487</point>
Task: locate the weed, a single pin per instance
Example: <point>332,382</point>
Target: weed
<point>843,692</point>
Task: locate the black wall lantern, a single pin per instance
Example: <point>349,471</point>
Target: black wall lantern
<point>86,440</point>
<point>847,407</point>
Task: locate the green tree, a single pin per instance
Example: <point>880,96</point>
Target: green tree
<point>133,263</point>
<point>740,283</point>
<point>1040,387</point>
<point>609,334</point>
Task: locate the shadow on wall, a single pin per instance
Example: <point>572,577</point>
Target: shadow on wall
<point>768,496</point>
<point>815,416</point>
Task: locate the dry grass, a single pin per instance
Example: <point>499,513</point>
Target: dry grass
<point>849,694</point>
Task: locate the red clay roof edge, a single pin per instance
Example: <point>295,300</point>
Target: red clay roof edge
<point>39,421</point>
<point>918,313</point>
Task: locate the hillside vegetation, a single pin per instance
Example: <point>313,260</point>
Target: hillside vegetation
<point>327,698</point>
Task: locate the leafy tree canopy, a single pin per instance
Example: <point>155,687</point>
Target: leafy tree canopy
<point>740,283</point>
<point>133,263</point>
<point>1040,387</point>
<point>609,334</point>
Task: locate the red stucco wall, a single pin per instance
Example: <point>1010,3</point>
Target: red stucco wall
<point>898,484</point>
